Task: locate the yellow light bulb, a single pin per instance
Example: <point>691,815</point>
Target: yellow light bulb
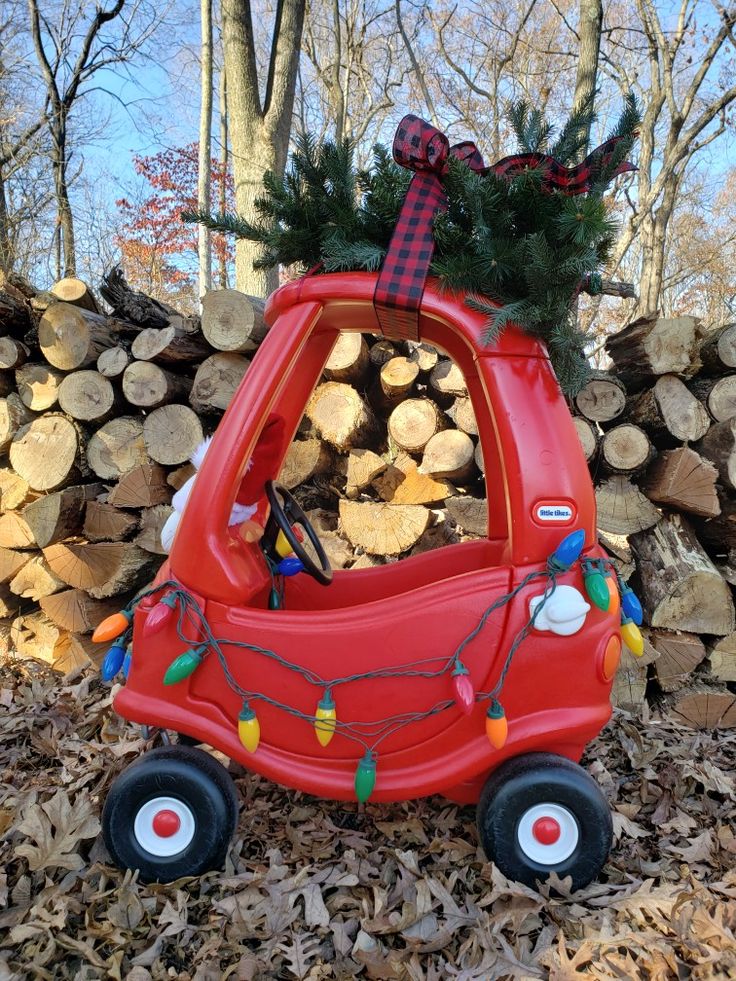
<point>249,728</point>
<point>325,719</point>
<point>631,636</point>
<point>282,546</point>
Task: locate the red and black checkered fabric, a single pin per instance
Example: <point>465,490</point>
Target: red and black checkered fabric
<point>420,147</point>
<point>557,177</point>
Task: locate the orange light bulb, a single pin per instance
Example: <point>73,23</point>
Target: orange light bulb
<point>497,725</point>
<point>111,627</point>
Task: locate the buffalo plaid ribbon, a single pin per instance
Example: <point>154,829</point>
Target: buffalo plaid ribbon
<point>420,147</point>
<point>423,148</point>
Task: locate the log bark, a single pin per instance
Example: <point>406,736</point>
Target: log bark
<point>48,452</point>
<point>470,514</point>
<point>679,655</point>
<point>383,529</point>
<point>216,381</point>
<point>233,321</point>
<point>446,383</point>
<point>152,521</point>
<point>13,415</point>
<point>424,356</point>
<point>588,436</point>
<point>602,399</point>
<point>103,522</point>
<point>652,346</point>
<point>113,362</point>
<point>38,386</point>
<point>719,446</point>
<point>14,312</point>
<point>172,433</point>
<point>348,361</point>
<point>670,413</point>
<point>683,480</point>
<point>76,611</point>
<point>622,508</point>
<point>87,396</point>
<point>340,416</point>
<point>363,467</point>
<point>148,385</point>
<point>717,394</point>
<point>72,338</point>
<point>15,531</point>
<point>74,291</point>
<point>625,449</point>
<point>170,345</point>
<point>381,352</point>
<point>718,350</point>
<point>449,454</point>
<point>630,683</point>
<point>55,517</point>
<point>304,459</point>
<point>141,486</point>
<point>13,354</point>
<point>414,422</point>
<point>35,580</point>
<point>681,588</point>
<point>103,569</point>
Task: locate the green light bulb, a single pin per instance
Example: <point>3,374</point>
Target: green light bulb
<point>597,589</point>
<point>365,777</point>
<point>183,666</point>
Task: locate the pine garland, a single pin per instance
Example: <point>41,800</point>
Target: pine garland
<point>502,241</point>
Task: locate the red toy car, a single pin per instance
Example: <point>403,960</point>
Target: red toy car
<point>337,650</point>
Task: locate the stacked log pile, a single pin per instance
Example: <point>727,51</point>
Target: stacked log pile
<point>659,433</point>
<point>99,413</point>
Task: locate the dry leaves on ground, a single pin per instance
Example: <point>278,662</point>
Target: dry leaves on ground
<point>317,890</point>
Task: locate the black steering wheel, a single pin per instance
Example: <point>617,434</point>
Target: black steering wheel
<point>282,517</point>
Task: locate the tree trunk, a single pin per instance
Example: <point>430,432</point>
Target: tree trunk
<point>259,129</point>
<point>224,281</point>
<point>590,24</point>
<point>205,148</point>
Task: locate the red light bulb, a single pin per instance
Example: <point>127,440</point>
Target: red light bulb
<point>160,615</point>
<point>464,691</point>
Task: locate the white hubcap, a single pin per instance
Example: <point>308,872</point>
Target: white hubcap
<point>548,834</point>
<point>164,826</point>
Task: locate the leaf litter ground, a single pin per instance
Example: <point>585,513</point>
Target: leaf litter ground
<point>317,889</point>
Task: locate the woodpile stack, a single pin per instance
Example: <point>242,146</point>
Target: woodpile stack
<point>659,433</point>
<point>99,413</point>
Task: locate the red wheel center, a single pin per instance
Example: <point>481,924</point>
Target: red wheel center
<point>166,823</point>
<point>546,830</point>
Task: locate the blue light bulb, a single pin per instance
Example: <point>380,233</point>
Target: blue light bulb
<point>569,549</point>
<point>290,566</point>
<point>126,663</point>
<point>113,662</point>
<point>631,606</point>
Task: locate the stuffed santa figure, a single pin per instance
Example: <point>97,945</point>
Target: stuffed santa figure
<point>260,468</point>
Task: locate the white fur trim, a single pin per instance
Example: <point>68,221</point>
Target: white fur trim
<point>199,454</point>
<point>169,530</point>
<point>182,495</point>
<point>241,513</point>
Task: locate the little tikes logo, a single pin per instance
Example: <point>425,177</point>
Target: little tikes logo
<point>554,512</point>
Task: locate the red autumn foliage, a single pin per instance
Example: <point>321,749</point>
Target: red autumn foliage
<point>159,251</point>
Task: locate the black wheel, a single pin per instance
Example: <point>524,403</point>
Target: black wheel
<point>170,814</point>
<point>542,813</point>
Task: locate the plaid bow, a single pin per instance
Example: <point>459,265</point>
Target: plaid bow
<point>557,177</point>
<point>420,147</point>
